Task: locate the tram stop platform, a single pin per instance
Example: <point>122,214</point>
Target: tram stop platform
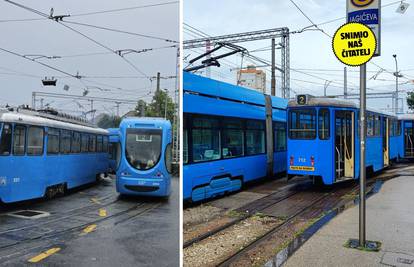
<point>390,220</point>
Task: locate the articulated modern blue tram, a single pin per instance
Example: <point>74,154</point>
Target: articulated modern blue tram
<point>44,153</point>
<point>232,135</point>
<point>145,157</point>
<point>323,139</point>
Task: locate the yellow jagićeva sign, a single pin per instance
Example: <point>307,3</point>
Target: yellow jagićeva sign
<point>354,44</point>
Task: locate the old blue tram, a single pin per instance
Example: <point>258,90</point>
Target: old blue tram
<point>45,153</point>
<point>232,135</point>
<point>144,157</point>
<point>407,121</point>
<point>323,139</point>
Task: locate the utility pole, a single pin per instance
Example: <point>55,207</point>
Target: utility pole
<point>345,84</point>
<point>41,103</point>
<point>166,100</point>
<point>362,170</point>
<point>33,100</point>
<point>158,92</point>
<point>208,49</point>
<point>117,108</point>
<point>273,81</point>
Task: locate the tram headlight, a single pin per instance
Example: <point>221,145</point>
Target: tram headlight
<point>312,159</point>
<point>291,160</point>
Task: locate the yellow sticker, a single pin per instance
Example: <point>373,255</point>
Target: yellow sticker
<point>354,44</point>
<point>302,168</point>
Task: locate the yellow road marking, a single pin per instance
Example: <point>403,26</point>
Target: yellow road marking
<point>89,229</point>
<point>102,212</point>
<point>44,255</point>
<point>95,200</point>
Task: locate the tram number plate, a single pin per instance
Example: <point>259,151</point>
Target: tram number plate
<point>302,168</point>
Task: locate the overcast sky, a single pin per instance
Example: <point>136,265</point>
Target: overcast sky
<point>20,77</point>
<point>309,50</point>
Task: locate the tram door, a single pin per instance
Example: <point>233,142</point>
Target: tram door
<point>385,142</point>
<point>409,139</point>
<point>344,144</point>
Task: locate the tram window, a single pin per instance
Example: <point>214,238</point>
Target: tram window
<point>323,124</point>
<point>105,144</point>
<point>143,148</point>
<point>99,143</point>
<point>6,140</point>
<point>19,140</point>
<point>168,158</point>
<point>302,124</point>
<point>65,138</point>
<point>279,136</point>
<point>370,125</point>
<point>76,142</point>
<point>398,128</point>
<point>84,142</point>
<point>255,137</point>
<point>92,143</point>
<point>206,139</point>
<point>185,146</point>
<point>52,141</point>
<point>377,125</point>
<point>232,139</point>
<point>35,137</point>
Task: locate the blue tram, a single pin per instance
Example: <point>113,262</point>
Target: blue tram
<point>113,148</point>
<point>44,153</point>
<point>232,135</point>
<point>323,139</point>
<point>145,157</point>
<point>407,121</point>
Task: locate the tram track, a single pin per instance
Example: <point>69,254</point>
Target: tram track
<point>119,217</point>
<point>342,193</point>
<point>236,257</point>
<point>248,211</point>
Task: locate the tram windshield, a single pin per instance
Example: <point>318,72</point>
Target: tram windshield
<point>5,139</point>
<point>302,123</point>
<point>143,148</point>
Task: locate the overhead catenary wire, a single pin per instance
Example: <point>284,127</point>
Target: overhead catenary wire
<point>99,12</point>
<point>78,32</point>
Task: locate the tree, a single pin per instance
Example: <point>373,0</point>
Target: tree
<point>410,100</point>
<point>109,121</point>
<point>157,106</point>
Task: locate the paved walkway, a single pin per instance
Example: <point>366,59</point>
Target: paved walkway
<point>390,220</point>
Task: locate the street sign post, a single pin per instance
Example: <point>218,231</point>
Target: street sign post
<point>367,12</point>
<point>354,44</point>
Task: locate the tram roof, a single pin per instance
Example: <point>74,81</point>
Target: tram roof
<point>335,102</point>
<point>407,116</point>
<point>211,87</point>
<point>28,119</point>
<point>157,121</point>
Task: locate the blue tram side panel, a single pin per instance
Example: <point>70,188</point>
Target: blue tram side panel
<point>225,137</point>
<point>145,157</point>
<point>323,139</point>
<point>114,146</point>
<point>43,154</point>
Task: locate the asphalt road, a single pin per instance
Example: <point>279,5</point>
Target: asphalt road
<point>92,226</point>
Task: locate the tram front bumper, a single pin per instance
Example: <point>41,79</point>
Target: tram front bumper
<point>142,186</point>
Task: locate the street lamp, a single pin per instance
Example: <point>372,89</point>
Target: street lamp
<point>397,75</point>
<point>396,83</point>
